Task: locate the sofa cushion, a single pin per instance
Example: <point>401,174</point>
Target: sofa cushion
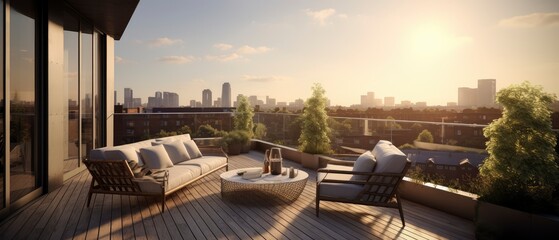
<point>389,158</point>
<point>192,149</point>
<point>123,153</point>
<point>206,163</point>
<point>155,157</point>
<point>176,150</point>
<point>365,163</point>
<point>179,175</point>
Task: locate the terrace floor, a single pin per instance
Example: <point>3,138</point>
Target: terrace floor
<point>199,212</point>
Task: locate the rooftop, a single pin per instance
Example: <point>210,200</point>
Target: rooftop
<point>198,211</point>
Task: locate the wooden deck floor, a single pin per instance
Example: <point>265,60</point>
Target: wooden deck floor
<point>199,212</point>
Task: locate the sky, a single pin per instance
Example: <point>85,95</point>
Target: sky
<point>411,50</point>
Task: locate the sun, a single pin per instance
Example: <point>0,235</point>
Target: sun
<point>434,41</point>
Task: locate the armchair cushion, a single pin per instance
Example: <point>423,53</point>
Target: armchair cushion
<point>338,190</point>
<point>155,157</point>
<point>389,158</point>
<point>192,149</point>
<point>365,163</point>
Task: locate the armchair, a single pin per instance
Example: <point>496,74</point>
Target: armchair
<point>373,180</point>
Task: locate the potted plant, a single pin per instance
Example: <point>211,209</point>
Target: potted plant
<point>234,141</point>
<point>521,171</point>
<point>242,120</point>
<point>314,138</point>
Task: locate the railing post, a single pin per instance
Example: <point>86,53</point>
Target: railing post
<point>366,127</point>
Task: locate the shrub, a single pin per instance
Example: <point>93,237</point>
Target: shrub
<point>425,136</point>
<point>242,120</point>
<point>260,131</point>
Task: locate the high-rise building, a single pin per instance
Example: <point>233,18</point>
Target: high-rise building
<point>170,99</point>
<point>226,95</point>
<point>486,91</point>
<point>136,102</point>
<point>128,98</point>
<point>368,100</point>
<point>207,98</point>
<point>192,103</point>
<point>482,96</point>
<point>467,97</point>
<point>253,100</point>
<point>389,101</point>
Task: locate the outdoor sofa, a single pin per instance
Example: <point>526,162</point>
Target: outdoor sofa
<point>155,167</point>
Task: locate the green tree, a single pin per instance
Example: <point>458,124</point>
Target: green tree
<point>315,131</point>
<point>425,136</point>
<point>243,115</point>
<point>391,124</point>
<point>260,131</point>
<point>521,170</point>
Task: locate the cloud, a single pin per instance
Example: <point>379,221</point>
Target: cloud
<point>264,78</point>
<point>532,20</point>
<point>176,59</point>
<point>224,58</point>
<point>223,46</point>
<point>164,41</point>
<point>238,53</point>
<point>321,16</point>
<point>248,50</point>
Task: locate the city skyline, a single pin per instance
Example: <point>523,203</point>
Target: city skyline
<point>280,48</point>
<point>482,96</point>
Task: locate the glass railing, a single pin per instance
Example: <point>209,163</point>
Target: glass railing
<point>445,152</point>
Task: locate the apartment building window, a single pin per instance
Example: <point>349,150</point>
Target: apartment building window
<point>130,123</point>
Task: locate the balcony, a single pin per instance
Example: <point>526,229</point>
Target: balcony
<point>198,211</point>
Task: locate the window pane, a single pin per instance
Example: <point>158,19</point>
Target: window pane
<point>23,163</point>
<point>71,77</point>
<point>86,84</point>
<point>2,107</point>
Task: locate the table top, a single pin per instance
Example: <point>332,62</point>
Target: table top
<point>266,178</point>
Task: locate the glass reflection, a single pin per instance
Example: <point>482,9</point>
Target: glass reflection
<point>86,84</point>
<point>71,105</point>
<point>23,163</point>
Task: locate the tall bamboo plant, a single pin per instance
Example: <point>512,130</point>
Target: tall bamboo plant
<point>315,131</point>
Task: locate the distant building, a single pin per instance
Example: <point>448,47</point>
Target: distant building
<point>482,96</point>
<point>253,100</point>
<point>207,98</point>
<point>389,101</point>
<point>451,104</point>
<point>377,102</point>
<point>128,98</point>
<point>486,92</point>
<point>136,102</point>
<point>192,103</point>
<point>270,102</point>
<point>421,104</point>
<point>226,95</point>
<point>368,101</point>
<point>170,99</point>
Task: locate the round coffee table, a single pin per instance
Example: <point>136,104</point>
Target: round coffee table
<point>278,186</point>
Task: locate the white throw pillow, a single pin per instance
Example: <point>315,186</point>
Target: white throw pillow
<point>192,149</point>
<point>123,153</point>
<point>365,163</point>
<point>155,157</point>
<point>176,150</point>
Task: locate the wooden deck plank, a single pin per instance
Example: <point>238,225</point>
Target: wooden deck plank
<point>199,212</point>
<point>58,227</point>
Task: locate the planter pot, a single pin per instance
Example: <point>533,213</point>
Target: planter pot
<point>234,148</point>
<point>309,160</point>
<point>245,148</point>
<point>498,222</point>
